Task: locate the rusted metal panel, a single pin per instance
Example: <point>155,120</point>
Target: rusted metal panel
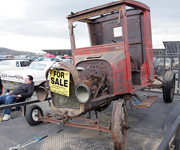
<point>70,111</point>
<point>101,28</point>
<point>95,125</point>
<point>147,102</point>
<point>42,93</point>
<point>127,53</point>
<point>137,5</point>
<point>143,103</point>
<point>117,59</point>
<point>91,14</point>
<point>96,68</point>
<point>134,4</point>
<point>103,100</point>
<point>144,73</point>
<point>148,43</point>
<point>59,107</point>
<point>138,87</point>
<point>120,78</point>
<point>98,49</point>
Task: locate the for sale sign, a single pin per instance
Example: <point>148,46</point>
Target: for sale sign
<point>59,82</point>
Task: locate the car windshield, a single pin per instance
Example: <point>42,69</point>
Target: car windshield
<point>36,66</point>
<point>5,63</point>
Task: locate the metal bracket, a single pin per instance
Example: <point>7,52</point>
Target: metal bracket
<point>63,126</point>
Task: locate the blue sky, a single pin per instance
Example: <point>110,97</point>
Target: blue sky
<point>33,25</point>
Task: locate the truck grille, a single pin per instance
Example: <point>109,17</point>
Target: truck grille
<point>64,101</point>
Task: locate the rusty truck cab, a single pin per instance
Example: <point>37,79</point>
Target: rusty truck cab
<point>118,61</point>
<point>121,44</point>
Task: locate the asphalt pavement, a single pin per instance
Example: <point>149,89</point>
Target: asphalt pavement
<point>148,127</point>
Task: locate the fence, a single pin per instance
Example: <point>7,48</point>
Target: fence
<point>172,139</point>
<point>170,62</point>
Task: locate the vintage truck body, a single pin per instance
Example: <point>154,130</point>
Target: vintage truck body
<point>113,68</point>
<point>116,65</point>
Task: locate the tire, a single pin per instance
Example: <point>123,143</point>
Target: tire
<point>119,125</point>
<point>169,86</point>
<point>31,115</point>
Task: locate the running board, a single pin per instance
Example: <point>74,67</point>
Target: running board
<point>147,102</point>
<point>138,103</point>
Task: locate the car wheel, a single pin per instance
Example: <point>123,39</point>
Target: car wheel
<point>169,86</point>
<point>32,115</point>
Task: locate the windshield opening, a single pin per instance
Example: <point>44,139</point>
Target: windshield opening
<point>104,28</point>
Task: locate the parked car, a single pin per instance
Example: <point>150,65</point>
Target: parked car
<point>13,65</point>
<point>51,59</point>
<point>59,57</point>
<point>14,78</point>
<point>66,56</point>
<point>67,60</point>
<point>22,57</point>
<point>33,58</point>
<point>39,59</point>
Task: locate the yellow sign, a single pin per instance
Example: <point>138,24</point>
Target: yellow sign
<point>11,82</point>
<point>59,82</point>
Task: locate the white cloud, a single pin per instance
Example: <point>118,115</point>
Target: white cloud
<point>12,8</point>
<point>33,44</point>
<point>41,24</point>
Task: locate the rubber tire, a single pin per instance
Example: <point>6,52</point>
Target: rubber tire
<point>169,86</point>
<point>29,117</point>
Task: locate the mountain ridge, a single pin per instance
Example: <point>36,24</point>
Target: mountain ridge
<point>7,51</point>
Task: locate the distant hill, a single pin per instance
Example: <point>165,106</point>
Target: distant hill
<point>6,51</point>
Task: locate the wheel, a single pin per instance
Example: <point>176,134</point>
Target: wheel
<point>119,125</point>
<point>32,115</point>
<point>169,86</point>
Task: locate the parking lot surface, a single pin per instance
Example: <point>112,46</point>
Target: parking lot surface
<point>148,127</point>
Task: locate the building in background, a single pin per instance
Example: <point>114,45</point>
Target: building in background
<point>171,48</point>
<point>57,52</point>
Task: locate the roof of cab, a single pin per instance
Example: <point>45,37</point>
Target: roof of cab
<point>131,3</point>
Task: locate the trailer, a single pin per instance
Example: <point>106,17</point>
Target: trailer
<point>117,64</point>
